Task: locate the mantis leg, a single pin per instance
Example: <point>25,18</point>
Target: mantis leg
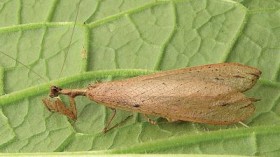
<point>106,128</point>
<point>150,120</point>
<point>59,106</point>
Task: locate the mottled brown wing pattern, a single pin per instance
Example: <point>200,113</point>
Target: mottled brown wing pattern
<point>181,96</point>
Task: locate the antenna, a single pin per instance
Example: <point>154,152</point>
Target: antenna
<point>71,38</point>
<point>25,66</point>
<point>67,51</point>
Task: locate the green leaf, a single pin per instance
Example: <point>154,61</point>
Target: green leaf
<point>117,39</point>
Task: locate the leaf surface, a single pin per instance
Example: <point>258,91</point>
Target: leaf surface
<point>117,39</point>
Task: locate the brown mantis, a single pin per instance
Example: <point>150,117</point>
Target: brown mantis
<point>209,94</point>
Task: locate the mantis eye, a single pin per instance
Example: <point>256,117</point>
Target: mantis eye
<point>54,91</point>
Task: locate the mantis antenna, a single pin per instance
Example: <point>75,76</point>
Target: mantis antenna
<point>25,66</point>
<point>71,38</point>
<point>67,50</point>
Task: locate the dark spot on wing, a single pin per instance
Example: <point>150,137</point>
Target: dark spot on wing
<point>216,78</point>
<point>136,105</point>
<point>238,76</point>
<point>225,104</point>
